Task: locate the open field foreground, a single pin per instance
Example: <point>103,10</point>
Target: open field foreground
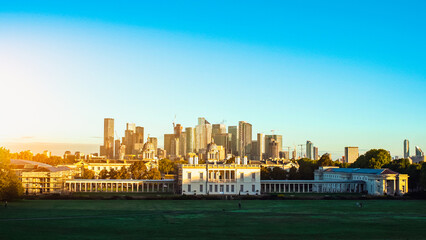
<point>168,219</point>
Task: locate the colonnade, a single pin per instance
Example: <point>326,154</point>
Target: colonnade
<point>309,186</point>
<point>102,185</point>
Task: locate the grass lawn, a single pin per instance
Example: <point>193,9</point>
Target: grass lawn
<point>213,219</point>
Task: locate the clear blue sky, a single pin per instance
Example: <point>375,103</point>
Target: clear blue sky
<point>337,73</point>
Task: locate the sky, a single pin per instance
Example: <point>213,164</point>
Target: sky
<point>337,73</point>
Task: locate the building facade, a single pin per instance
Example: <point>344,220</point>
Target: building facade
<point>351,154</point>
<point>219,179</point>
<point>377,181</point>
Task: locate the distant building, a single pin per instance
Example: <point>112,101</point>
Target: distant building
<point>273,149</point>
<point>245,138</point>
<point>309,149</point>
<point>218,129</point>
<point>168,142</point>
<point>285,155</point>
<point>190,139</point>
<point>419,152</point>
<point>235,149</point>
<point>203,134</point>
<point>108,148</point>
<point>315,153</point>
<point>406,148</point>
<point>260,147</point>
<point>278,139</point>
<point>351,154</point>
<point>154,141</point>
<point>223,139</point>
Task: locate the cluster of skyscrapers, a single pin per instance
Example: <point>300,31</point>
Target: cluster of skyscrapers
<point>418,157</point>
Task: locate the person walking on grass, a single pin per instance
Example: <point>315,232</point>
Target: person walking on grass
<point>5,204</point>
<point>239,204</point>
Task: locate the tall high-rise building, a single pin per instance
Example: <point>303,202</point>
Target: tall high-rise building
<point>138,137</point>
<point>419,152</point>
<point>406,148</point>
<point>108,148</point>
<point>168,142</point>
<point>117,145</point>
<point>131,127</point>
<point>351,154</point>
<point>178,130</point>
<point>260,148</point>
<point>203,134</point>
<point>154,142</point>
<point>309,149</point>
<point>235,149</point>
<point>273,149</point>
<point>190,139</point>
<point>315,153</point>
<point>294,154</point>
<point>182,144</point>
<point>222,139</point>
<point>218,129</point>
<point>245,137</point>
<point>278,139</point>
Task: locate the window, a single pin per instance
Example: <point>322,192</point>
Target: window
<point>189,187</point>
<point>227,188</point>
<point>253,188</point>
<point>215,188</point>
<point>221,189</point>
<point>201,188</point>
<point>232,188</point>
<point>241,188</point>
<point>201,176</point>
<point>242,176</point>
<point>211,188</point>
<point>189,175</point>
<point>253,176</point>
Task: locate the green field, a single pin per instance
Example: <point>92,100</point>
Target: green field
<point>213,219</point>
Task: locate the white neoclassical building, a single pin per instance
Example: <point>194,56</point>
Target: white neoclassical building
<point>376,181</point>
<point>219,179</point>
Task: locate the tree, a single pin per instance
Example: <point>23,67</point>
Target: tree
<point>138,170</point>
<point>307,168</point>
<point>292,175</point>
<point>423,176</point>
<point>88,174</point>
<point>325,160</point>
<point>104,174</point>
<point>123,174</point>
<point>374,158</point>
<point>265,173</point>
<point>113,174</point>
<point>10,186</point>
<point>153,173</point>
<point>278,173</point>
<point>166,166</point>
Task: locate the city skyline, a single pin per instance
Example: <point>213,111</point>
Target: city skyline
<point>67,67</point>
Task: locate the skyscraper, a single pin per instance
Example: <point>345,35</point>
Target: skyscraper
<point>218,129</point>
<point>260,146</point>
<point>245,137</point>
<point>351,154</point>
<point>108,148</point>
<point>190,140</point>
<point>138,139</point>
<point>406,148</point>
<point>168,142</point>
<point>419,152</point>
<point>315,153</point>
<point>154,141</point>
<point>268,139</point>
<point>203,134</point>
<point>233,130</point>
<point>309,149</point>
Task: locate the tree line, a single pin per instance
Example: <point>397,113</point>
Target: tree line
<point>10,185</point>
